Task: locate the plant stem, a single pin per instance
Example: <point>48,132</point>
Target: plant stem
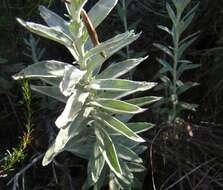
<point>125,22</point>
<point>176,39</point>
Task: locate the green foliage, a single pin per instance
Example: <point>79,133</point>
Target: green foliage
<point>175,66</point>
<point>90,125</point>
<point>17,154</point>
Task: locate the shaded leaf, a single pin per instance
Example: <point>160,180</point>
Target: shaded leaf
<point>50,91</point>
<point>120,127</point>
<point>108,150</point>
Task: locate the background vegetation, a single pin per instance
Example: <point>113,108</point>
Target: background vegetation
<point>190,160</point>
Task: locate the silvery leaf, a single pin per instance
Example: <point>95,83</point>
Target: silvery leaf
<point>72,76</point>
<point>72,108</point>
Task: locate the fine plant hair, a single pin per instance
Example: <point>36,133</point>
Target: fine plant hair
<point>94,124</point>
<point>173,65</point>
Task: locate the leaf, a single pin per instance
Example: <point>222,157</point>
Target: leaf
<point>181,5</point>
<point>95,164</point>
<point>165,64</point>
<point>44,69</point>
<point>188,38</point>
<point>51,91</point>
<point>184,46</point>
<point>140,127</point>
<point>96,62</point>
<point>135,167</point>
<point>118,69</point>
<point>72,76</point>
<point>183,25</point>
<point>100,11</point>
<point>120,94</point>
<point>191,11</point>
<point>62,139</point>
<point>188,106</point>
<point>119,126</point>
<point>171,13</point>
<point>108,150</point>
<point>54,20</point>
<point>75,8</point>
<point>186,86</point>
<point>51,33</point>
<point>139,149</point>
<point>82,143</point>
<point>164,49</point>
<point>126,179</point>
<point>165,29</point>
<point>109,44</point>
<point>73,107</point>
<point>117,106</point>
<point>185,67</point>
<point>120,85</point>
<point>142,101</point>
<point>127,154</point>
<point>52,81</point>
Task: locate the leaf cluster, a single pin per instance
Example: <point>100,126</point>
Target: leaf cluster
<point>91,125</point>
<point>174,66</point>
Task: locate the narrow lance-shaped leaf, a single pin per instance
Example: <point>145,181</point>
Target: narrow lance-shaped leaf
<point>95,164</point>
<point>97,14</point>
<point>108,150</point>
<point>191,11</point>
<point>140,127</point>
<point>164,49</point>
<point>186,86</point>
<point>54,20</point>
<point>184,46</point>
<point>96,61</point>
<point>111,43</point>
<point>165,64</point>
<point>44,69</point>
<point>119,126</point>
<point>100,11</point>
<point>135,167</point>
<point>185,67</point>
<point>171,13</point>
<point>126,153</point>
<point>120,85</point>
<point>117,106</point>
<point>118,69</point>
<point>166,29</point>
<point>142,101</point>
<point>51,33</point>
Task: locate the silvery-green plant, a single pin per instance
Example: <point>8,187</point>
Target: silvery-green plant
<point>94,123</point>
<point>176,65</point>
